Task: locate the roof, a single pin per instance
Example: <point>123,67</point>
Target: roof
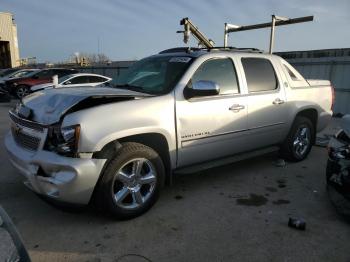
<point>28,69</point>
<point>195,52</point>
<point>58,68</point>
<point>88,74</point>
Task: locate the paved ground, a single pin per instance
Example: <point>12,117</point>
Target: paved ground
<point>238,212</point>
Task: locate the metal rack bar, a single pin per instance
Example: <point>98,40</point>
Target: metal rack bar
<point>276,21</point>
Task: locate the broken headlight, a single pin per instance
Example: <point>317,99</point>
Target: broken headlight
<point>64,140</point>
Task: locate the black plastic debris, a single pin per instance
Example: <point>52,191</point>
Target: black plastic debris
<point>279,162</point>
<point>322,141</point>
<point>297,223</point>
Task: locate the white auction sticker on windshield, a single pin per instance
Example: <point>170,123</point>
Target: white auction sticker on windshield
<point>180,59</point>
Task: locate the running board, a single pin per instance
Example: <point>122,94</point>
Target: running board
<point>225,161</point>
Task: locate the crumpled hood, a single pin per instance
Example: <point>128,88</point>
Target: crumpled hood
<point>48,106</point>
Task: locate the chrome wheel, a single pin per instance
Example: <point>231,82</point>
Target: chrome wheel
<point>134,183</point>
<point>22,91</point>
<point>302,141</point>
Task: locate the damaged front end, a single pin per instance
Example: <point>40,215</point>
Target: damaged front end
<point>338,172</point>
<point>47,110</point>
<point>47,153</point>
<point>47,157</point>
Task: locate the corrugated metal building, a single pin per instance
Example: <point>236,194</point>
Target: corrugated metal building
<point>330,64</point>
<point>9,51</point>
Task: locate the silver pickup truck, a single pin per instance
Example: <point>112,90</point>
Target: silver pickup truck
<point>182,109</point>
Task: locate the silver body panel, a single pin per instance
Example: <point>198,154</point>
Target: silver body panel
<point>196,130</point>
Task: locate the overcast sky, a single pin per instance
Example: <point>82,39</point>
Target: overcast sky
<point>52,30</point>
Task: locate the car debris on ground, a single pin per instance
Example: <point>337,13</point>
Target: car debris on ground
<point>297,223</point>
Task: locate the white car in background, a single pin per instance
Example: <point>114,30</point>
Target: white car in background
<point>75,80</point>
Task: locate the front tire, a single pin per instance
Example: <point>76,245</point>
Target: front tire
<point>22,91</point>
<point>298,143</point>
<point>131,182</point>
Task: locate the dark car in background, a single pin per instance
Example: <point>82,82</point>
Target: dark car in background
<point>20,87</point>
<point>5,72</point>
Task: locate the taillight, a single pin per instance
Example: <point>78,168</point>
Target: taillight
<point>333,97</point>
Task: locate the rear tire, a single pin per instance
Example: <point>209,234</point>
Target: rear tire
<point>131,182</point>
<point>298,143</point>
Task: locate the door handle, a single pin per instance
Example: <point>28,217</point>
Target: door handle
<point>236,108</point>
<point>278,101</point>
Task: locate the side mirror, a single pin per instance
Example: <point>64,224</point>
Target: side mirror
<point>67,82</point>
<point>202,88</point>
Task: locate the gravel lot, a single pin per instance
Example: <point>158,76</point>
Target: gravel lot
<point>237,212</point>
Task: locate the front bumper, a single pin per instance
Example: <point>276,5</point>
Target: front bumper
<point>65,179</point>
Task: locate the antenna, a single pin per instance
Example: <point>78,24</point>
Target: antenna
<point>276,21</point>
<point>190,28</point>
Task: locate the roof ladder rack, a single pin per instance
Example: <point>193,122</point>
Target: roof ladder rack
<point>276,21</point>
<point>190,28</point>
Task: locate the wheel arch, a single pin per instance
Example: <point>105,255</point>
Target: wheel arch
<point>312,115</point>
<point>156,141</point>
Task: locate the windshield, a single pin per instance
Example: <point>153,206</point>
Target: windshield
<point>22,73</point>
<point>154,75</point>
<point>8,71</point>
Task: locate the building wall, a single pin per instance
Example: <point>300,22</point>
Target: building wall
<point>329,64</point>
<point>8,32</point>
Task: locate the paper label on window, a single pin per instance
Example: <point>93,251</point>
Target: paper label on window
<point>180,59</point>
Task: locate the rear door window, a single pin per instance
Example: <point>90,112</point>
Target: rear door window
<point>220,71</point>
<point>78,80</point>
<point>260,74</point>
<point>61,73</point>
<point>96,79</point>
<point>44,74</point>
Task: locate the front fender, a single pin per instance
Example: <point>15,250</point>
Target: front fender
<point>131,132</point>
<point>105,123</point>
